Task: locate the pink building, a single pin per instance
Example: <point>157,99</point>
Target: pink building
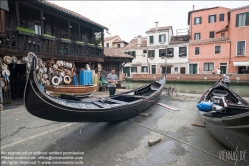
<point>239,37</point>
<point>210,42</point>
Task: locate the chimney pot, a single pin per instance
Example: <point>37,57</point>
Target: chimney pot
<point>156,25</point>
<point>193,7</point>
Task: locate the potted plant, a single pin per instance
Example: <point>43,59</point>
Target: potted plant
<point>64,40</point>
<point>79,43</point>
<point>25,31</point>
<point>100,47</point>
<point>90,45</point>
<point>48,37</point>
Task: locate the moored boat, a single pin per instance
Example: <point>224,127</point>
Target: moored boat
<point>228,117</point>
<point>73,90</point>
<point>70,109</point>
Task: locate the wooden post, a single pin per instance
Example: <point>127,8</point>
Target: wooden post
<point>17,14</point>
<point>2,28</point>
<point>68,29</point>
<point>42,24</point>
<point>102,37</point>
<point>93,41</point>
<point>79,37</point>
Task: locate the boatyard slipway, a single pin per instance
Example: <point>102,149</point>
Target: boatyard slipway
<point>28,140</point>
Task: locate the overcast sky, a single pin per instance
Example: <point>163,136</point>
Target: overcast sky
<point>131,18</point>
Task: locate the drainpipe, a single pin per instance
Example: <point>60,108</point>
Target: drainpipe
<point>148,61</point>
<point>229,57</point>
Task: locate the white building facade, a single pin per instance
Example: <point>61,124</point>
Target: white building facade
<point>158,40</point>
<point>138,49</point>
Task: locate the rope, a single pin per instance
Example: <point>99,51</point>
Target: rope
<point>180,141</point>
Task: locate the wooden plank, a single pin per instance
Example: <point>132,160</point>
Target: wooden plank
<point>166,106</point>
<point>17,14</point>
<point>199,125</point>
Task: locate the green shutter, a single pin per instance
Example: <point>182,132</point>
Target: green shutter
<point>215,18</point>
<point>200,20</point>
<point>208,19</point>
<point>247,18</point>
<point>195,21</point>
<point>159,38</point>
<point>237,20</point>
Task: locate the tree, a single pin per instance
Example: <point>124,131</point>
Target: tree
<point>98,38</point>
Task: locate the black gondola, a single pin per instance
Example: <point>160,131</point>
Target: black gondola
<point>228,119</point>
<point>70,109</point>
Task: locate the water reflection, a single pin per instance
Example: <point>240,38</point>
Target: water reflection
<point>242,90</point>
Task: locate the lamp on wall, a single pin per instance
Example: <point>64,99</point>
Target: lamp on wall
<point>70,26</point>
<point>43,18</point>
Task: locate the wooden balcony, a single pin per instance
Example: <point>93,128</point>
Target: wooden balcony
<point>19,44</point>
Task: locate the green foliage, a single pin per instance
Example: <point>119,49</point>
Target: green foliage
<point>25,30</point>
<point>98,38</point>
<point>49,36</point>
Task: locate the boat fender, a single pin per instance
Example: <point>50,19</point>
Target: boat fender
<point>55,78</point>
<point>205,106</point>
<point>217,108</point>
<point>67,79</point>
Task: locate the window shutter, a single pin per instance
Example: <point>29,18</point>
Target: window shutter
<point>195,21</point>
<point>200,20</point>
<point>237,20</point>
<point>159,38</point>
<point>199,36</point>
<point>172,51</point>
<point>247,18</point>
<point>215,18</point>
<point>208,19</point>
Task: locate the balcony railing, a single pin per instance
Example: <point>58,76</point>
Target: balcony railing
<point>56,46</point>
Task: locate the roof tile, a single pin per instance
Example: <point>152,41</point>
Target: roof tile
<point>209,41</point>
<point>116,52</point>
<point>159,29</point>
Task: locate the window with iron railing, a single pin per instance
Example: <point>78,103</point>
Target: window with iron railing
<point>182,51</point>
<point>170,52</point>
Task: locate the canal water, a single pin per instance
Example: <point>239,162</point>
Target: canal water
<point>242,90</point>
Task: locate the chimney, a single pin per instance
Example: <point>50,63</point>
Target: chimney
<point>193,7</point>
<point>156,26</point>
<point>139,40</point>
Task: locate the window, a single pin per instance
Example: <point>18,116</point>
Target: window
<point>197,50</point>
<point>118,45</point>
<point>162,38</point>
<point>162,52</point>
<point>211,18</point>
<point>133,53</point>
<point>153,69</point>
<point>242,19</point>
<point>208,66</point>
<point>170,52</point>
<point>222,34</point>
<point>134,69</point>
<point>217,49</point>
<point>144,68</point>
<point>107,44</point>
<point>38,29</point>
<point>197,36</point>
<point>211,34</point>
<point>197,20</point>
<point>221,17</point>
<point>144,51</point>
<point>151,40</point>
<point>151,53</point>
<point>176,69</point>
<point>241,48</point>
<point>182,51</point>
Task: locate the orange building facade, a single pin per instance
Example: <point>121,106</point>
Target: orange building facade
<point>219,38</point>
<point>239,37</point>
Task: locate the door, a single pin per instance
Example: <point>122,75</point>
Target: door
<point>182,70</point>
<point>153,69</point>
<point>223,68</point>
<point>193,69</point>
<point>163,70</point>
<point>168,70</point>
<point>126,70</point>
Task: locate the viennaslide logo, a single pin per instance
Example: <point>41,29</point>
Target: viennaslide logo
<point>230,155</point>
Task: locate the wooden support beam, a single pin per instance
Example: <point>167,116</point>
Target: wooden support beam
<point>42,23</point>
<point>17,14</point>
<point>102,38</point>
<point>68,27</point>
<point>79,35</point>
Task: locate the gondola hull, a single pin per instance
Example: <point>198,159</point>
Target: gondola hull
<point>114,108</point>
<point>230,126</point>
